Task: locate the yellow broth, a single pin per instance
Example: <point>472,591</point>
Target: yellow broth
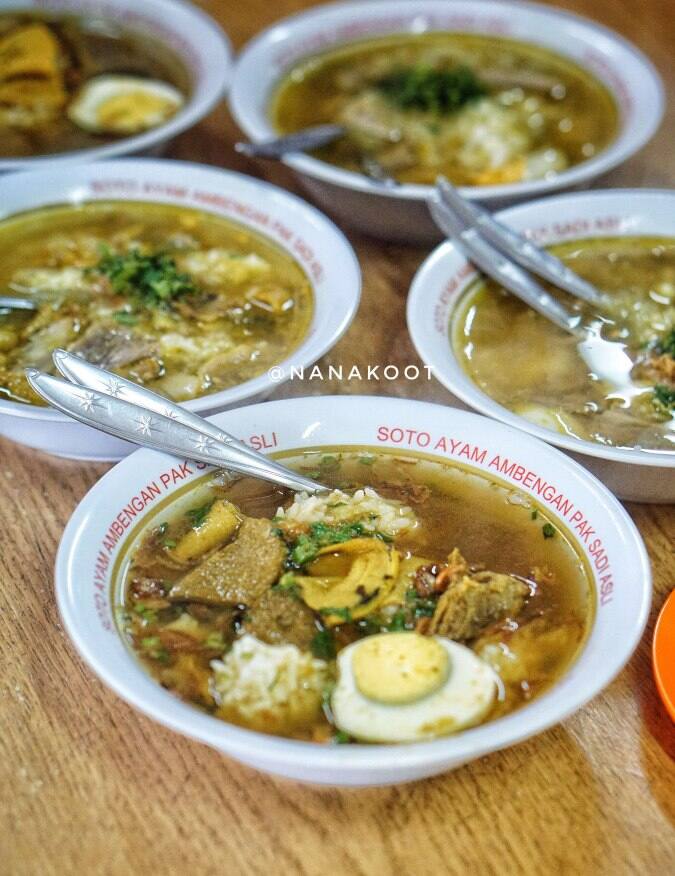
<point>35,96</point>
<point>493,526</point>
<point>539,112</point>
<point>533,368</point>
<point>241,303</point>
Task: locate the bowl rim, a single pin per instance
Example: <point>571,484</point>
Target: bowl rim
<point>349,268</point>
<point>464,388</point>
<point>270,752</point>
<point>609,158</point>
<point>194,109</point>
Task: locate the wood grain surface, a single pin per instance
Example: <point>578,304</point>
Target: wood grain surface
<point>88,786</point>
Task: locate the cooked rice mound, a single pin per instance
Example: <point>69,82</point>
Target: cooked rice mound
<point>271,688</point>
<point>365,506</point>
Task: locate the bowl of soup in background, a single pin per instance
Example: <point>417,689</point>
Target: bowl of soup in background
<point>597,222</point>
<point>143,489</point>
<point>300,43</point>
<point>167,42</point>
<point>287,231</point>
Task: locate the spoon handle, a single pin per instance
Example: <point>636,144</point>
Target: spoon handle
<point>78,370</point>
<point>519,247</point>
<point>147,428</point>
<point>303,141</point>
<point>496,265</point>
<point>7,301</point>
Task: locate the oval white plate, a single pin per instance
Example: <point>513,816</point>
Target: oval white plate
<point>106,517</point>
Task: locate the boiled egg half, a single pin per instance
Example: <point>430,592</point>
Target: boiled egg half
<point>404,687</point>
<point>124,105</point>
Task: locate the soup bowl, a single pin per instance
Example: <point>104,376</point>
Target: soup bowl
<point>399,212</point>
<point>105,524</point>
<point>299,230</point>
<point>192,36</point>
<point>439,287</point>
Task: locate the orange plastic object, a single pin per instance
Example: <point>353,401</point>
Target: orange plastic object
<point>663,654</point>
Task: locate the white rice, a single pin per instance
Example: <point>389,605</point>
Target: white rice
<point>365,506</point>
<point>271,687</point>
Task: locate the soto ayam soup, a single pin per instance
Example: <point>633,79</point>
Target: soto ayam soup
<point>180,300</point>
<point>70,83</point>
<point>528,365</point>
<point>413,600</point>
<point>481,110</point>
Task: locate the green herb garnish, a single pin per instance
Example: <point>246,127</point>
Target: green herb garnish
<point>308,545</point>
<point>663,398</point>
<point>341,738</point>
<point>151,642</point>
<point>288,585</point>
<point>548,530</point>
<point>152,645</point>
<point>534,514</point>
<point>420,606</point>
<point>343,613</point>
<point>152,280</point>
<point>422,87</point>
<point>125,318</point>
<point>666,344</point>
<point>199,514</point>
<point>397,623</point>
<point>323,645</point>
<point>146,614</point>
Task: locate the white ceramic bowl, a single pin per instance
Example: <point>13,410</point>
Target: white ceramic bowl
<point>400,213</point>
<point>438,286</point>
<point>189,33</point>
<point>100,528</point>
<point>309,237</point>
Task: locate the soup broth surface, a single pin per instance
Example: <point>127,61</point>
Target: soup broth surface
<point>480,110</point>
<point>180,300</point>
<point>533,368</point>
<point>494,528</point>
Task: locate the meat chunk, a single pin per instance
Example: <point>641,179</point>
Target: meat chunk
<point>660,369</point>
<point>240,572</point>
<point>113,348</point>
<point>149,591</point>
<point>432,578</point>
<point>281,619</point>
<point>474,602</point>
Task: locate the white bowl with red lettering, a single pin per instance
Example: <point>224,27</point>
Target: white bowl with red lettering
<point>400,213</point>
<point>316,244</point>
<point>578,504</point>
<point>438,287</point>
<point>191,35</point>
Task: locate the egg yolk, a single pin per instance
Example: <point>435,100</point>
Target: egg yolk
<point>399,668</point>
<point>134,110</point>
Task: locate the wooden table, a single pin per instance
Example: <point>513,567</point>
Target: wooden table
<point>89,786</point>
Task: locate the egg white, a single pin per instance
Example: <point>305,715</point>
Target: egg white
<point>84,108</point>
<point>462,701</point>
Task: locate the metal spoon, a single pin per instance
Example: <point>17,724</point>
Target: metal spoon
<point>8,302</point>
<point>117,406</point>
<point>309,139</point>
<point>301,141</point>
<point>607,360</point>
